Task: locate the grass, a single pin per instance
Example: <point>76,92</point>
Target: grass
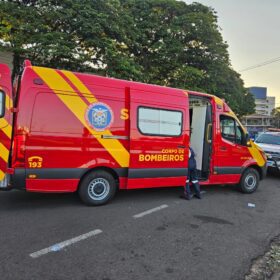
<point>267,266</point>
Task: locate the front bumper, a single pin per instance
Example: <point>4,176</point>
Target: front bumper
<point>273,163</point>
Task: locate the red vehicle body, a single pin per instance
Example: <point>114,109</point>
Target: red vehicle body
<point>62,131</point>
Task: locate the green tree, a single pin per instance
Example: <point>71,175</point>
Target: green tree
<point>165,42</point>
<point>180,45</point>
<point>276,114</point>
<point>76,35</point>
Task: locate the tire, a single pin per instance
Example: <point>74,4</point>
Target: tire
<point>97,188</point>
<point>249,181</point>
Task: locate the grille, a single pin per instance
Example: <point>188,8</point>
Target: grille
<point>274,155</point>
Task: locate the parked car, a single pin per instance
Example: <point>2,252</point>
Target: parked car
<point>270,143</point>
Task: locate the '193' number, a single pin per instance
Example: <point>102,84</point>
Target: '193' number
<point>35,162</point>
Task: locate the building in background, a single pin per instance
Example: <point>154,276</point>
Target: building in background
<point>264,104</point>
<point>262,119</point>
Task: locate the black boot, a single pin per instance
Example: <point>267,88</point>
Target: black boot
<point>197,190</point>
<point>186,196</point>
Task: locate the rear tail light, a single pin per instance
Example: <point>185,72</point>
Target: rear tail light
<point>19,151</point>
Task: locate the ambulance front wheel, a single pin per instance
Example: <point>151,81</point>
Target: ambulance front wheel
<point>249,180</point>
<point>97,188</point>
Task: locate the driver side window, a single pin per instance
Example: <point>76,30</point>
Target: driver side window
<point>239,134</point>
<point>231,130</point>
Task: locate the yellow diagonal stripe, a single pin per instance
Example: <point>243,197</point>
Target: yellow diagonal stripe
<point>2,175</point>
<point>80,86</point>
<point>4,152</point>
<point>6,127</point>
<point>256,154</point>
<point>79,107</point>
<point>9,102</point>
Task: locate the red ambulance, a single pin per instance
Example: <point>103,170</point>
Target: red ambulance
<point>62,131</point>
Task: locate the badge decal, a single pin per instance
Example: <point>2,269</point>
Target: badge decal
<point>99,116</point>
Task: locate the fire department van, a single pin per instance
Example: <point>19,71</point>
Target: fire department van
<point>62,131</point>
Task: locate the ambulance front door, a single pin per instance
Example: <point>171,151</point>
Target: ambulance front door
<point>232,150</point>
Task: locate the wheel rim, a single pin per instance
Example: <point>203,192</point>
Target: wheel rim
<point>98,188</point>
<point>250,181</point>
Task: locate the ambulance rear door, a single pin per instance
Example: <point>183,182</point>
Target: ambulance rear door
<point>6,104</point>
<point>159,139</point>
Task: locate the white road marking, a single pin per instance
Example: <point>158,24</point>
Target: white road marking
<point>61,245</point>
<point>140,215</point>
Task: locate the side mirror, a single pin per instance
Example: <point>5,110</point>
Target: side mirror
<point>2,104</point>
<point>248,140</point>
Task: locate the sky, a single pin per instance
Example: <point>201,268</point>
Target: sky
<point>251,28</point>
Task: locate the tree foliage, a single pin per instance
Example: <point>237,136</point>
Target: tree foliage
<point>165,42</point>
<point>276,114</point>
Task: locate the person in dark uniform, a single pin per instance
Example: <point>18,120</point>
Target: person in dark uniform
<point>192,177</point>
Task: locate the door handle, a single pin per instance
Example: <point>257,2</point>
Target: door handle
<point>223,148</point>
<point>209,133</point>
<point>181,146</point>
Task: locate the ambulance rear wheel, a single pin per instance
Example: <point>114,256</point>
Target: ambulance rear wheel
<point>249,180</point>
<point>97,188</point>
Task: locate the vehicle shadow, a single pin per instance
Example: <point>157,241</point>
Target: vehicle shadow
<point>168,194</point>
<point>17,200</point>
<point>273,174</point>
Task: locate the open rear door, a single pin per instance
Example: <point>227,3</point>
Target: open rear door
<point>207,146</point>
<point>6,103</point>
<point>201,136</point>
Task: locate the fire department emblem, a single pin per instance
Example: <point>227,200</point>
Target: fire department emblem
<point>99,116</point>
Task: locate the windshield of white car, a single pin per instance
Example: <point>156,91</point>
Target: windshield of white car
<point>268,139</point>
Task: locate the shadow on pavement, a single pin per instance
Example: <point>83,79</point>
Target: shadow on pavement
<point>17,200</point>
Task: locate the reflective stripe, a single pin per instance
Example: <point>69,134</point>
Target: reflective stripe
<point>4,152</point>
<point>218,101</point>
<point>195,181</point>
<point>6,127</point>
<point>7,130</point>
<point>9,102</point>
<point>256,154</point>
<point>78,107</point>
<point>80,86</point>
<point>187,181</point>
<point>2,175</point>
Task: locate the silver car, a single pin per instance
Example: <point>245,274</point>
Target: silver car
<point>269,142</point>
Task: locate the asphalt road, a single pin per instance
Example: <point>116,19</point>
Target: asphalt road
<point>213,238</point>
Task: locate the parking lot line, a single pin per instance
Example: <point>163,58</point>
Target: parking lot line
<point>58,246</point>
<point>140,215</point>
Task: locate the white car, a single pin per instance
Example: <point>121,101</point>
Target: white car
<point>269,142</point>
